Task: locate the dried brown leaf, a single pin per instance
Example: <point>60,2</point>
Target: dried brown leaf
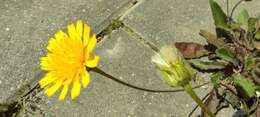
<point>191,49</point>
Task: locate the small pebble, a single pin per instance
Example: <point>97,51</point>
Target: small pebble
<point>7,29</point>
<point>187,105</point>
<point>132,74</point>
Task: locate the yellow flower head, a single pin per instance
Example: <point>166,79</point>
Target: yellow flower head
<point>173,67</point>
<point>67,59</point>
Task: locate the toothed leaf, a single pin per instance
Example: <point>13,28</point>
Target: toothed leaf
<point>207,65</point>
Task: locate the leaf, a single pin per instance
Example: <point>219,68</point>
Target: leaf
<point>250,62</point>
<point>243,17</point>
<point>257,35</point>
<point>257,44</point>
<point>219,16</point>
<point>216,78</point>
<point>252,24</point>
<point>225,55</point>
<point>244,86</point>
<point>207,65</point>
<point>191,49</point>
<point>212,39</point>
<point>256,73</point>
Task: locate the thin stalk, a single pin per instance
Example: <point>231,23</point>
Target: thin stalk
<point>229,19</point>
<point>37,86</point>
<point>97,70</point>
<point>236,5</point>
<point>194,109</point>
<point>227,2</point>
<point>187,87</point>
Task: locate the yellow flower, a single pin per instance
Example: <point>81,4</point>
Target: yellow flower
<point>67,59</point>
<point>174,68</point>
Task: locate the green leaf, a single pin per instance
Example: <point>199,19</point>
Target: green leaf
<point>244,86</point>
<point>207,65</point>
<point>219,16</point>
<point>250,62</point>
<point>243,17</point>
<point>257,88</point>
<point>216,78</point>
<point>213,39</point>
<point>252,24</point>
<point>225,55</point>
<point>257,35</point>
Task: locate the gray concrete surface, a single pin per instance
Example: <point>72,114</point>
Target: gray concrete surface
<point>163,22</point>
<point>26,26</point>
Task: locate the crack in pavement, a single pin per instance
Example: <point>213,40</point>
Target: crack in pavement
<point>139,37</point>
<point>115,22</point>
<point>115,15</point>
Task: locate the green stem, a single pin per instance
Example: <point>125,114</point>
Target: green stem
<point>101,72</point>
<point>187,87</point>
<point>233,9</point>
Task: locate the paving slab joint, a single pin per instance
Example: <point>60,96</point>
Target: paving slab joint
<point>118,14</point>
<point>114,24</point>
<point>139,37</point>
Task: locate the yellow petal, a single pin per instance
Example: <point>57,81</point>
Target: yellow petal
<point>60,35</point>
<point>51,90</point>
<point>51,45</point>
<point>85,78</point>
<point>92,61</point>
<point>87,55</point>
<point>67,82</point>
<point>73,33</point>
<point>45,64</point>
<point>79,28</point>
<point>86,34</point>
<point>46,80</point>
<point>92,43</point>
<point>75,91</point>
<point>63,92</point>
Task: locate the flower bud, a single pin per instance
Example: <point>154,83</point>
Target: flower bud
<point>174,68</point>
